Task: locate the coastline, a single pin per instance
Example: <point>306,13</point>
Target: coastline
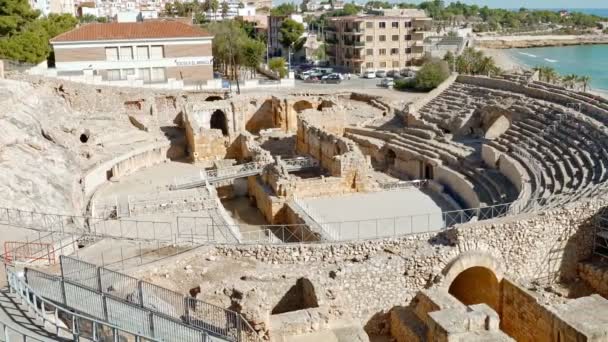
<point>528,41</point>
<point>506,62</point>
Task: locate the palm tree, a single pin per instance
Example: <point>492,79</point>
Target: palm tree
<point>585,81</point>
<point>487,66</point>
<point>570,80</point>
<point>549,74</point>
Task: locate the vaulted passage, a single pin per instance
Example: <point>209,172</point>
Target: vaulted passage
<point>302,105</point>
<point>477,285</point>
<point>218,121</point>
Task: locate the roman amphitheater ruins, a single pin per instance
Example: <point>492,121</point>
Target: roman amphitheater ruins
<point>475,212</point>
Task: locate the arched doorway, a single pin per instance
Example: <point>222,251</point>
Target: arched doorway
<point>390,158</point>
<point>218,121</point>
<point>428,171</point>
<point>477,285</point>
<point>214,98</point>
<point>302,105</point>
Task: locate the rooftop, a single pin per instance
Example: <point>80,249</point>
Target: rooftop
<point>138,30</point>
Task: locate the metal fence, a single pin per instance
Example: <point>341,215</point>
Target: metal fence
<point>121,288</point>
<point>109,310</point>
<point>41,293</point>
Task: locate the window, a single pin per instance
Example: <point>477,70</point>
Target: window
<point>114,75</point>
<point>408,37</point>
<point>157,52</point>
<point>143,53</point>
<point>144,74</point>
<point>408,50</point>
<point>395,64</point>
<point>126,72</point>
<point>382,38</point>
<point>382,52</point>
<point>395,38</point>
<point>369,64</point>
<point>394,51</point>
<point>383,64</point>
<point>126,53</point>
<point>395,24</point>
<point>158,75</point>
<point>369,52</point>
<point>369,24</point>
<point>369,38</point>
<point>111,54</point>
<point>408,24</point>
<point>382,24</point>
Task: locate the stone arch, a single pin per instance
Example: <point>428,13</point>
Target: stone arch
<point>325,104</point>
<point>477,285</point>
<point>219,121</point>
<point>302,105</point>
<point>468,260</point>
<point>474,278</point>
<point>299,297</point>
<point>214,98</point>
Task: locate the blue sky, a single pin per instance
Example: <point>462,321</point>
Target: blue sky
<point>514,3</point>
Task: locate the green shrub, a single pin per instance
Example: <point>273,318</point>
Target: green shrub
<point>407,84</point>
<point>431,75</point>
<point>279,65</point>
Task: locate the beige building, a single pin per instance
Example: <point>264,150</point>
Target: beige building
<point>361,43</point>
<point>155,52</point>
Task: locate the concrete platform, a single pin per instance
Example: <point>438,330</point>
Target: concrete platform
<point>379,214</point>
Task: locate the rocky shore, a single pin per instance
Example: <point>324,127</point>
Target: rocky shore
<point>510,42</point>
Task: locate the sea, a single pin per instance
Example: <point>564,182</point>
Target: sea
<point>589,60</point>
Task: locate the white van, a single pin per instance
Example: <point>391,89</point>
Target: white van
<point>369,74</point>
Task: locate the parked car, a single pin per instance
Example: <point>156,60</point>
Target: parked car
<point>386,83</point>
<point>369,74</point>
<point>332,79</point>
<point>380,73</point>
<point>392,73</point>
<point>407,73</point>
<point>313,79</point>
<point>340,76</point>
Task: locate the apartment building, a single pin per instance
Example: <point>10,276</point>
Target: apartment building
<point>361,43</point>
<point>137,53</point>
<point>275,47</point>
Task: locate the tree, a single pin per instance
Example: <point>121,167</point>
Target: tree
<point>225,9</point>
<point>278,65</point>
<point>283,9</point>
<point>321,53</point>
<point>15,15</point>
<point>584,80</point>
<point>431,75</point>
<point>31,43</point>
<point>450,59</point>
<point>253,54</point>
<point>213,6</point>
<point>290,32</point>
<point>570,80</point>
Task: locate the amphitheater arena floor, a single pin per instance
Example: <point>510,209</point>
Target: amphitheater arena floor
<point>379,214</point>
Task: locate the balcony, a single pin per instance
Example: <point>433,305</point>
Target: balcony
<point>353,57</point>
<point>355,31</point>
<point>331,41</point>
<point>354,43</point>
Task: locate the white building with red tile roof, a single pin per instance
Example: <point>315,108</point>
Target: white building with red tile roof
<point>136,53</point>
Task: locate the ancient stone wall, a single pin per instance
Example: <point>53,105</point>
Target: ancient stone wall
<point>595,275</point>
<point>541,94</point>
<point>389,272</point>
<point>527,319</point>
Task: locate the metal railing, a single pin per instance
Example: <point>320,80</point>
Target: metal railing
<point>418,184</point>
<point>160,301</point>
<point>64,322</point>
<point>326,229</point>
<point>238,171</point>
